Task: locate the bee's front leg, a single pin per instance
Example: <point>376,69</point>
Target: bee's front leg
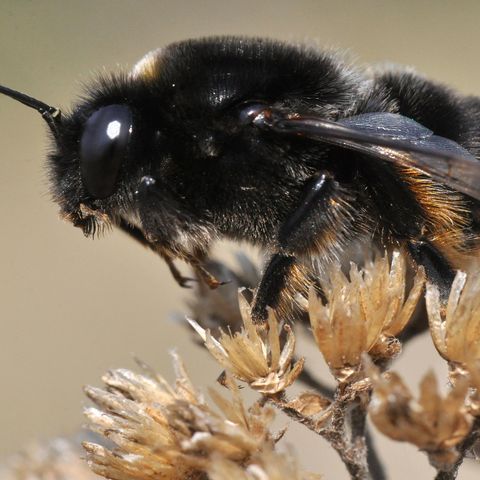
<point>296,236</point>
<point>197,260</point>
<point>165,225</point>
<point>181,280</point>
<point>138,236</point>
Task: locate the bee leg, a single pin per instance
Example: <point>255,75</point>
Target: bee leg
<point>138,236</point>
<point>303,224</point>
<point>271,285</point>
<point>296,234</point>
<point>208,277</point>
<point>150,196</point>
<point>197,261</point>
<point>438,269</point>
<point>184,282</point>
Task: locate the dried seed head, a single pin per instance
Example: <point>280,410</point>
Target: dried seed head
<point>433,423</point>
<point>253,355</point>
<point>268,465</point>
<point>456,329</point>
<point>160,431</point>
<point>57,460</point>
<point>363,313</point>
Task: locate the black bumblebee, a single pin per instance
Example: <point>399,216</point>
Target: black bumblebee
<point>283,146</point>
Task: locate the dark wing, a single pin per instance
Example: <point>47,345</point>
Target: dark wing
<point>389,137</point>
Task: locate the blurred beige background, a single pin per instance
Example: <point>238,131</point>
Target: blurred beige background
<point>70,307</point>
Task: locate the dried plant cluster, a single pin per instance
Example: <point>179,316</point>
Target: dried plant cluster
<point>59,459</point>
<point>153,430</point>
<point>163,431</point>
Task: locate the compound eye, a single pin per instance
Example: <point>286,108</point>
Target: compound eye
<point>103,146</point>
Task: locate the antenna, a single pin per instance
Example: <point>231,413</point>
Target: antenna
<point>51,115</point>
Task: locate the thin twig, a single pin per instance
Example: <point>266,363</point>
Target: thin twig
<point>357,416</point>
<point>346,433</point>
<point>375,465</point>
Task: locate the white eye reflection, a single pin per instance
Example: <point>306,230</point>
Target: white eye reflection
<point>113,129</point>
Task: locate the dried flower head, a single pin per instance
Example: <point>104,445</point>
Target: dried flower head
<point>168,432</point>
<point>59,459</point>
<point>267,465</point>
<point>363,313</point>
<point>253,355</point>
<point>456,329</point>
<point>433,423</point>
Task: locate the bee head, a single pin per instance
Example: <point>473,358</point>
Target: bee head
<point>101,140</point>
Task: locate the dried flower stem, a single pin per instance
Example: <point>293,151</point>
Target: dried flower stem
<point>346,430</point>
<point>375,465</point>
<point>346,433</point>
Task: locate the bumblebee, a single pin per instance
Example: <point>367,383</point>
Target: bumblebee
<point>283,146</point>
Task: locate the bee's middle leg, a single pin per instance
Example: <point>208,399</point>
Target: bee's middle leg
<point>296,235</point>
<point>272,284</point>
